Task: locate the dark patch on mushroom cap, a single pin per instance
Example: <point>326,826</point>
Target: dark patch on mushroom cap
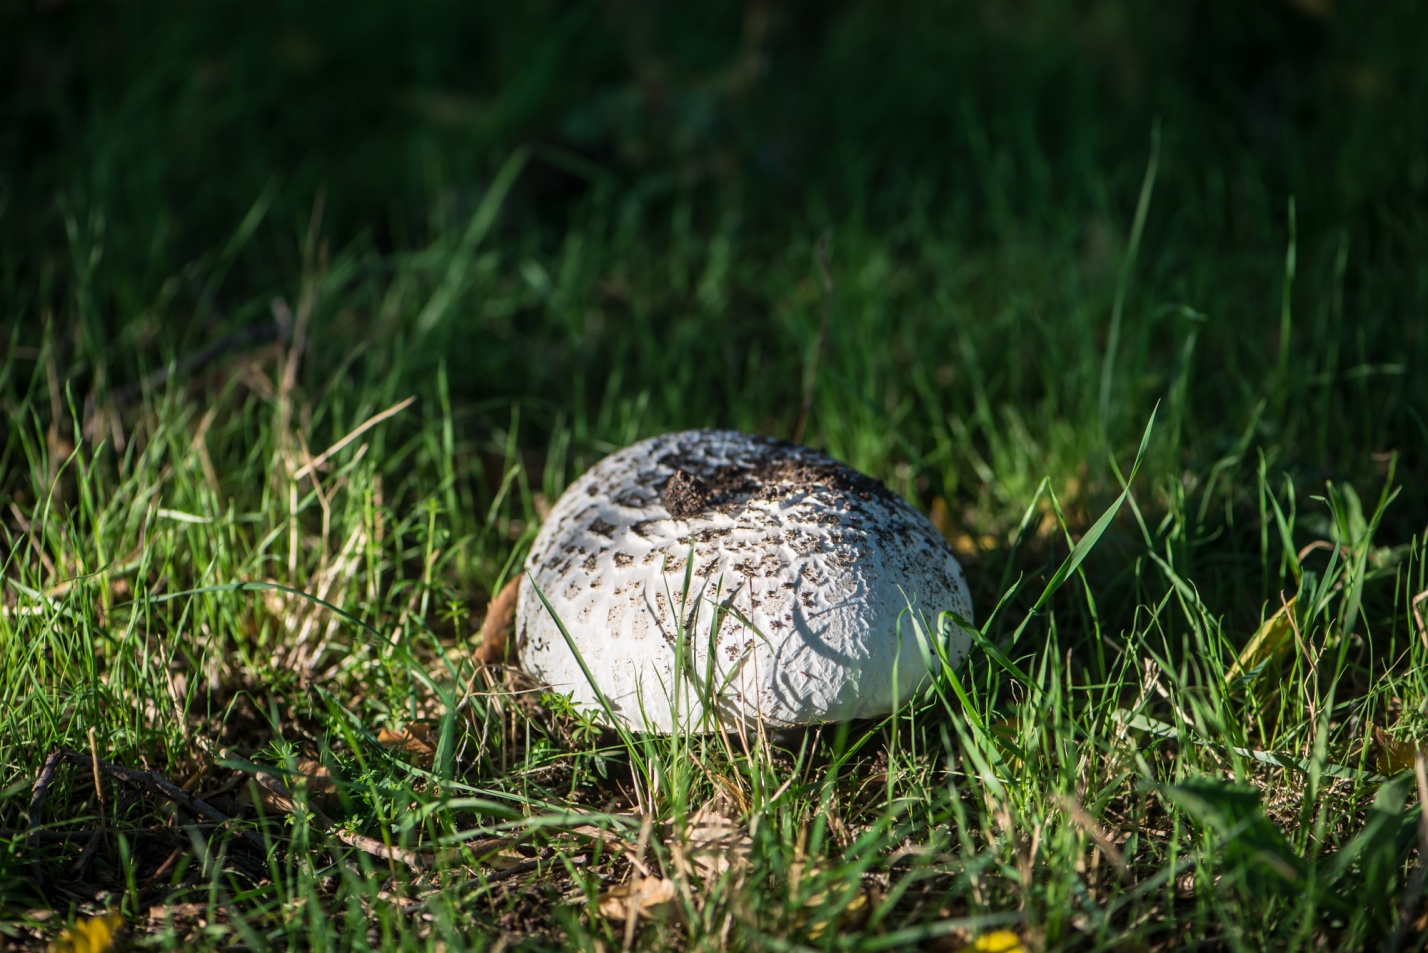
<point>776,471</point>
<point>685,495</point>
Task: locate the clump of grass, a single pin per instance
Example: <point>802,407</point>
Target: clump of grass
<point>266,600</point>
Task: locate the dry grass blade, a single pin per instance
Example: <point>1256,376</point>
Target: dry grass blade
<point>1418,601</point>
<point>1083,819</point>
<point>321,459</point>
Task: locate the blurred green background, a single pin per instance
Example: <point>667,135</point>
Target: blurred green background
<point>180,116</point>
<point>978,164</point>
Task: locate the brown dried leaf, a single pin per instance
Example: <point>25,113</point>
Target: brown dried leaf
<point>1393,755</point>
<point>275,795</point>
<point>318,779</point>
<point>713,845</point>
<point>416,743</point>
<point>494,642</point>
<point>639,896</point>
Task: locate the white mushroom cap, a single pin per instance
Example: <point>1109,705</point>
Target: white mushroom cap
<point>806,575</point>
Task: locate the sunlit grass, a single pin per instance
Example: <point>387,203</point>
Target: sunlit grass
<point>1193,716</point>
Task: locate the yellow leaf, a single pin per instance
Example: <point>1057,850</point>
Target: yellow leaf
<point>998,941</point>
<point>1273,636</point>
<point>855,912</point>
<point>91,935</point>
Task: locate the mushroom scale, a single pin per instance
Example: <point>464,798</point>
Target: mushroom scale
<point>738,573</point>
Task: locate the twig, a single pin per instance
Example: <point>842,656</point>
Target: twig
<point>822,336</point>
<point>37,804</point>
<point>163,869</point>
<point>376,848</point>
<point>535,863</point>
<point>369,845</point>
<point>86,855</point>
<point>155,783</point>
<point>41,787</point>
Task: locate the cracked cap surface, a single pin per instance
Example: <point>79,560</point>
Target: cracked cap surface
<point>802,577</point>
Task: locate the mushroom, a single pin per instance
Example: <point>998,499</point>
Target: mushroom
<point>711,574</point>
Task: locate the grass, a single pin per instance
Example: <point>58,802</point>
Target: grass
<point>1197,710</point>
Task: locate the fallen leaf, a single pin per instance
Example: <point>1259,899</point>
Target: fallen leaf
<point>91,935</point>
<point>1393,755</point>
<point>276,795</point>
<point>714,844</point>
<point>318,779</point>
<point>178,911</point>
<point>415,743</point>
<point>998,941</point>
<point>639,896</point>
<point>851,915</point>
<point>494,643</point>
<point>1273,636</point>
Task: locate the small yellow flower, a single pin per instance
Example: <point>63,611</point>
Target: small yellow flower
<point>93,935</point>
<point>998,941</point>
